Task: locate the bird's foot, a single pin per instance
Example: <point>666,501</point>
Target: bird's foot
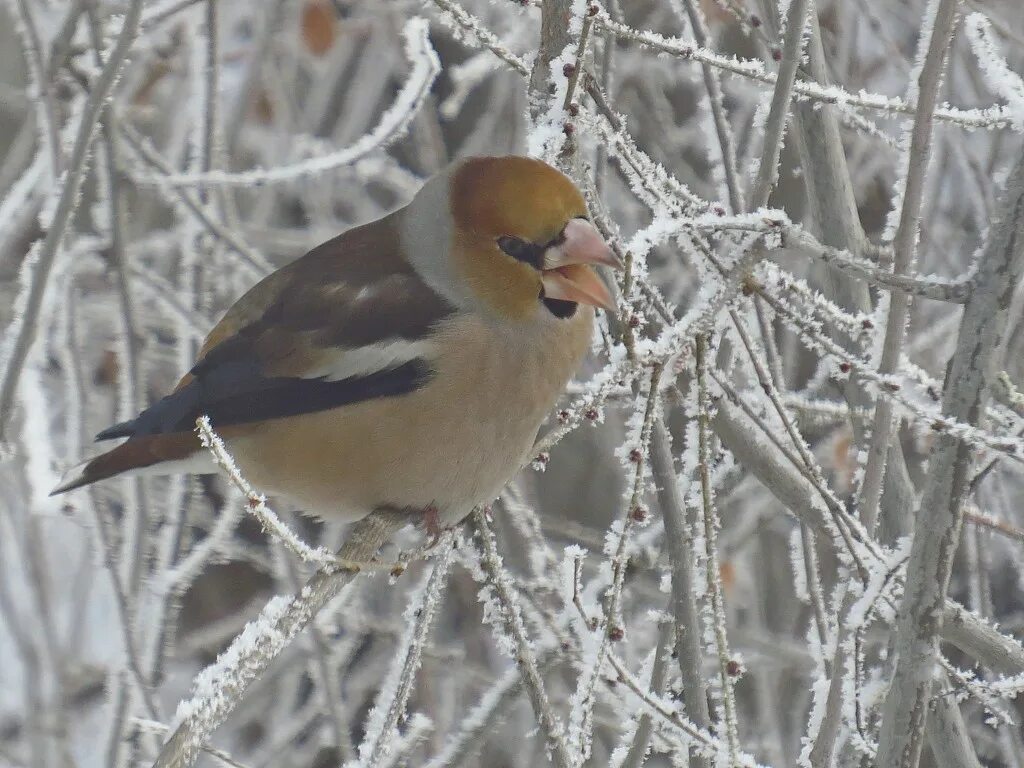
<point>432,523</point>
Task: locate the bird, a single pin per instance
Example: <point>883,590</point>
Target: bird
<point>408,363</point>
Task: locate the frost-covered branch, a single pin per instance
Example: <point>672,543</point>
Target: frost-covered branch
<point>910,191</point>
<point>393,124</point>
<point>525,657</point>
<point>22,334</point>
<point>992,117</point>
<point>940,514</point>
<point>220,687</point>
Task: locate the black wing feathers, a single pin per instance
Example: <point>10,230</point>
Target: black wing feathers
<point>353,291</point>
<point>234,396</point>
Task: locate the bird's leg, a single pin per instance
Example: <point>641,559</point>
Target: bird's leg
<point>432,523</point>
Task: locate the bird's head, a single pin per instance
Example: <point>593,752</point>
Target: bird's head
<point>518,240</point>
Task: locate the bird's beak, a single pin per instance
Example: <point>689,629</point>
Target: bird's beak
<point>567,272</point>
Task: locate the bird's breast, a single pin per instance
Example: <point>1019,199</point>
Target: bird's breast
<point>453,443</point>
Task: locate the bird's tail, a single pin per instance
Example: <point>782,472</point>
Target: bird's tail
<point>159,454</point>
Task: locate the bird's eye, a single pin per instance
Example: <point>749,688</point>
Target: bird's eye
<point>521,250</point>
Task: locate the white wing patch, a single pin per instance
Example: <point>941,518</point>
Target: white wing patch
<point>352,363</point>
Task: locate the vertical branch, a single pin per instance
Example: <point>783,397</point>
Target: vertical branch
<point>775,125</point>
<point>131,373</point>
<point>383,720</point>
<point>23,332</point>
<point>38,72</point>
<point>554,37</point>
<point>713,85</point>
<point>940,514</point>
<point>947,732</point>
<point>711,525</point>
<point>581,720</point>
<point>905,242</point>
<point>529,667</point>
<point>659,679</point>
<point>680,545</point>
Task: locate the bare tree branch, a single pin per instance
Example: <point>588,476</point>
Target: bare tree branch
<point>940,514</point>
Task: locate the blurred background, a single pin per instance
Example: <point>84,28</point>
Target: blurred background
<point>238,135</point>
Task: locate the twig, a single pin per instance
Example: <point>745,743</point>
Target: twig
<point>775,125</point>
<point>461,747</point>
<point>711,563</point>
<point>46,106</point>
<point>705,742</point>
<point>905,243</point>
<point>192,202</point>
<point>152,726</point>
<point>763,459</point>
<point>940,513</point>
<point>23,332</point>
<point>681,547</point>
<point>526,659</point>
<point>468,23</point>
<point>713,86</point>
<point>948,735</point>
<point>386,714</point>
<point>991,118</point>
<point>220,687</point>
<point>392,126</point>
<point>640,745</point>
<point>950,291</point>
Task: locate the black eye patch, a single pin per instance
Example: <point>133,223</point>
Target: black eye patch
<point>521,250</point>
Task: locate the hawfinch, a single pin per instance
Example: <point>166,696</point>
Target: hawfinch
<point>407,363</point>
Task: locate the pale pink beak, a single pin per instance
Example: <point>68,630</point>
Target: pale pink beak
<point>567,272</point>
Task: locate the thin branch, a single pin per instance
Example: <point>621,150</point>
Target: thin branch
<point>640,745</point>
<point>991,117</point>
<point>713,86</point>
<point>23,332</point>
<point>905,243</point>
<point>940,514</point>
<point>219,688</point>
<point>679,541</point>
<point>526,659</point>
<point>949,291</point>
<point>775,125</point>
<point>386,714</point>
<point>393,124</point>
<point>711,563</point>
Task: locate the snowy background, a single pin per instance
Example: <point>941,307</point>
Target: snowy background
<point>733,546</point>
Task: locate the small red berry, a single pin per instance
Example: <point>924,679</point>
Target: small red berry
<point>776,54</point>
<point>639,514</point>
<point>569,69</point>
<point>615,634</point>
<point>845,367</point>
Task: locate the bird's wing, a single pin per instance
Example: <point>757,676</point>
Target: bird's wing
<point>349,321</point>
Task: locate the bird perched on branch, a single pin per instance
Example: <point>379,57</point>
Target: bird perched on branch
<point>407,363</point>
